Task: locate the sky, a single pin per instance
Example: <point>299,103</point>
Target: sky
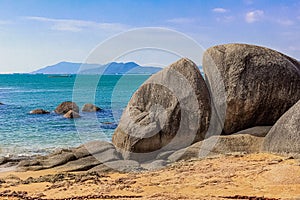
<point>38,33</point>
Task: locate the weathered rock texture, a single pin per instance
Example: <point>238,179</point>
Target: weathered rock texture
<point>216,145</point>
<point>84,157</point>
<point>65,107</point>
<point>71,114</point>
<point>171,110</point>
<point>90,108</point>
<point>284,137</point>
<point>92,148</point>
<point>118,165</point>
<point>260,84</point>
<point>258,131</point>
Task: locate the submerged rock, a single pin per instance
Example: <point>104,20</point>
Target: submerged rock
<point>171,110</point>
<point>284,137</point>
<point>90,108</point>
<point>71,114</point>
<point>260,84</point>
<point>65,107</point>
<point>39,111</point>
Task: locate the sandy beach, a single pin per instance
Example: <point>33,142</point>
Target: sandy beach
<point>222,177</point>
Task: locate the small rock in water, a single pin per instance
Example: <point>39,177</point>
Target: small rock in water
<point>71,114</point>
<point>1,103</point>
<point>107,122</point>
<point>65,107</point>
<point>39,111</point>
<point>90,108</point>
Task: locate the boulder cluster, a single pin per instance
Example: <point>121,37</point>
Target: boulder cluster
<point>69,109</point>
<point>247,91</point>
<point>249,102</point>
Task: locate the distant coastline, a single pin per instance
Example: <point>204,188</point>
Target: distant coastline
<point>113,68</point>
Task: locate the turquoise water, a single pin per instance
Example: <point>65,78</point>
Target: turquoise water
<point>25,134</point>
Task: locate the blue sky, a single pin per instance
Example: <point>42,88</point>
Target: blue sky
<point>36,33</point>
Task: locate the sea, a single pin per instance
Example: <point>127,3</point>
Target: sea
<point>24,134</point>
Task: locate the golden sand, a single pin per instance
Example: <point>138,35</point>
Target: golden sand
<point>260,175</point>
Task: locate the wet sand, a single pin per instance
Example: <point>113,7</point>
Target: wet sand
<point>221,177</point>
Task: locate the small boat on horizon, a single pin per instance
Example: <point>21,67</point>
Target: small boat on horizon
<point>60,76</point>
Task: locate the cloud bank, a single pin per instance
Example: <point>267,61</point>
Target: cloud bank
<point>77,25</point>
<point>254,16</point>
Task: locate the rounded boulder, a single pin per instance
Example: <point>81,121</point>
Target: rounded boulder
<point>39,111</point>
<point>171,110</point>
<point>260,84</point>
<point>71,114</point>
<point>284,136</point>
<point>90,108</point>
<point>65,107</point>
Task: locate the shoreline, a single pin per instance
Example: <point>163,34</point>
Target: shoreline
<point>260,174</point>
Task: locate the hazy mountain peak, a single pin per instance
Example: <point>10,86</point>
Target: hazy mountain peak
<point>109,68</point>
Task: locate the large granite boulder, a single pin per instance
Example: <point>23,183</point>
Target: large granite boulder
<point>39,111</point>
<point>90,108</point>
<point>260,84</point>
<point>65,107</point>
<point>171,110</point>
<point>284,137</point>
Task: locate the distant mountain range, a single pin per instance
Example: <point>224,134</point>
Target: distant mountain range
<point>110,68</point>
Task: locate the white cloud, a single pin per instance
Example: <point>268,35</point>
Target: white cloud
<point>225,19</point>
<point>285,22</point>
<point>77,25</point>
<point>181,20</point>
<point>254,16</point>
<point>219,10</point>
<point>4,22</point>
